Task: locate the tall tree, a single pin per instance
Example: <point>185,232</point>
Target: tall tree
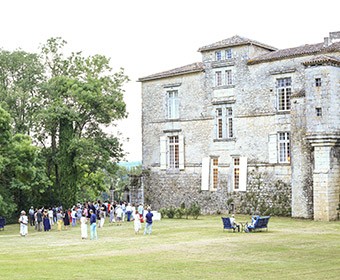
<point>81,96</point>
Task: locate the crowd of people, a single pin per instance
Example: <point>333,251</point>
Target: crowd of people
<point>93,213</point>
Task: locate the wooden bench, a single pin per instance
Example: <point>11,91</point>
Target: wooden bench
<point>260,223</point>
<point>2,223</point>
<point>227,224</point>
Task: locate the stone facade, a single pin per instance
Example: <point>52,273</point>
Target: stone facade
<point>250,127</point>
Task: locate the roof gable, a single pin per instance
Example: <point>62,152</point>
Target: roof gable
<point>234,41</point>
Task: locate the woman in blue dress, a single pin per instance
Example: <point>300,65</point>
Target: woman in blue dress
<point>46,221</point>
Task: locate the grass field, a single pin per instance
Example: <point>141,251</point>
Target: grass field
<point>177,249</point>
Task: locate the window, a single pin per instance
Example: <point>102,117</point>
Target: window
<point>218,78</point>
<point>284,91</point>
<point>215,173</point>
<point>239,173</point>
<point>224,123</point>
<point>228,54</point>
<point>218,56</point>
<point>173,104</point>
<point>228,77</point>
<point>219,121</point>
<point>172,152</point>
<point>318,82</point>
<point>284,147</point>
<point>230,133</point>
<point>318,112</point>
<point>210,174</point>
<point>236,173</point>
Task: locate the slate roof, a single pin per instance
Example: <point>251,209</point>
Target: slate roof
<point>234,41</point>
<point>187,69</point>
<point>297,51</point>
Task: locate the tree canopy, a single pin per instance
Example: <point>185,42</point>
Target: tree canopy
<point>65,105</point>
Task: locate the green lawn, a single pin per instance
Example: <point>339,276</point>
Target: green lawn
<point>177,249</point>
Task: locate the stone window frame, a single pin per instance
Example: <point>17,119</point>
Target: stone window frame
<point>210,173</point>
<point>172,152</point>
<point>224,122</point>
<point>318,111</point>
<point>228,54</point>
<point>318,82</point>
<point>218,78</point>
<point>283,146</point>
<point>228,77</point>
<point>283,92</point>
<point>172,96</point>
<point>218,55</point>
<point>239,173</point>
<point>215,173</point>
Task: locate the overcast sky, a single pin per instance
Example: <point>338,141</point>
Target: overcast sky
<point>146,37</point>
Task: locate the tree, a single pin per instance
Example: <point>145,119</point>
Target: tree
<point>80,97</point>
<point>63,104</point>
<point>20,76</point>
<point>21,174</point>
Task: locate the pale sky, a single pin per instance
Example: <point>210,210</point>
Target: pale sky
<point>149,36</point>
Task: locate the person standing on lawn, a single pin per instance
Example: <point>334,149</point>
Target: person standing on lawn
<point>31,215</point>
<point>23,220</point>
<point>136,222</point>
<point>83,226</point>
<point>93,225</point>
<point>148,222</point>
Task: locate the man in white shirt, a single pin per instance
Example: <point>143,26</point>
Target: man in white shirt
<point>233,223</point>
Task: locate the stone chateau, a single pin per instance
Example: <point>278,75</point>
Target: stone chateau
<point>250,128</point>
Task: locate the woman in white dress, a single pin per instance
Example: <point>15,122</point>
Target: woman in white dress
<point>23,220</point>
<point>136,222</point>
<point>83,226</point>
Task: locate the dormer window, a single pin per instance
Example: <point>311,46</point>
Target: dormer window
<point>228,54</point>
<point>218,56</point>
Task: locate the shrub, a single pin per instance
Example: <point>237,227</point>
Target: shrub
<point>195,210</point>
<point>179,212</point>
<point>171,212</point>
<point>163,212</point>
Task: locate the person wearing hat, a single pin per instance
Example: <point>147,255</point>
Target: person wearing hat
<point>23,221</point>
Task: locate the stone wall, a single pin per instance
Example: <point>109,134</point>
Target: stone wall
<point>265,194</point>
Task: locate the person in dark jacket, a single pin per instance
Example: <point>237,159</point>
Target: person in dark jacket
<point>93,225</point>
<point>148,222</point>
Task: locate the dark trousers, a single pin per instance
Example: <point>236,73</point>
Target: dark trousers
<point>128,215</point>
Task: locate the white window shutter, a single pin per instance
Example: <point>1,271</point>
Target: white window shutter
<point>181,152</point>
<point>243,174</point>
<point>272,148</point>
<point>176,108</point>
<point>168,107</point>
<point>163,144</point>
<point>205,174</point>
<point>215,127</point>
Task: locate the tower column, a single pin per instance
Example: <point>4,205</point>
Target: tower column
<point>326,176</point>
